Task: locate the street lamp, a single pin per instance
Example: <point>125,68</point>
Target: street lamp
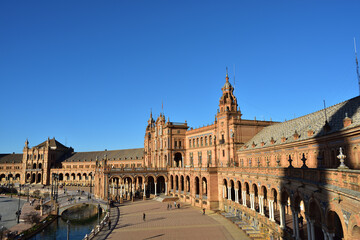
<point>18,213</point>
<point>68,229</point>
<point>108,192</point>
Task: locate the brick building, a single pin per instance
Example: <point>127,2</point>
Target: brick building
<point>271,174</point>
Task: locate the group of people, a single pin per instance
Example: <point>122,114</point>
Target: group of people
<point>176,205</point>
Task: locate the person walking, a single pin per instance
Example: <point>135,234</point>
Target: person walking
<point>203,211</point>
<point>144,216</point>
<point>109,223</point>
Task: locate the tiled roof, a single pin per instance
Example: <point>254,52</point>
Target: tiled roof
<point>52,143</point>
<point>11,158</point>
<point>125,154</point>
<point>313,121</point>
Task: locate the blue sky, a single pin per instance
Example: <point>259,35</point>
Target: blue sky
<point>88,72</point>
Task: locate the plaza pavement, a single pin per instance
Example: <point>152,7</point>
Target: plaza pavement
<point>8,208</point>
<point>184,223</point>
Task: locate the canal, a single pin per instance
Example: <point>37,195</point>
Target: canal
<point>58,229</point>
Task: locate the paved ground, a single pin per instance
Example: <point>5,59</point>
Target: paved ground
<point>184,223</point>
<point>8,208</point>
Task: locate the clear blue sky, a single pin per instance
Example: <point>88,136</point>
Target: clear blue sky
<point>88,72</point>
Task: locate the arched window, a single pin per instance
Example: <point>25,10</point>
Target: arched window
<point>210,140</point>
<point>206,141</point>
<point>189,142</point>
<point>201,140</point>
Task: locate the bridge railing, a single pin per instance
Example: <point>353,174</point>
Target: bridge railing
<point>98,228</point>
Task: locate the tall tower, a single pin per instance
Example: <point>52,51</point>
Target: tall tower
<point>226,122</point>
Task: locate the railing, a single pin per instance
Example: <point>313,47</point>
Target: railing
<point>98,228</point>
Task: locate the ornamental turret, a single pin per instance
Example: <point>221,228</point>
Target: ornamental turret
<point>228,101</point>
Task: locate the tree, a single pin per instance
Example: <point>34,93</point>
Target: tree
<point>32,218</point>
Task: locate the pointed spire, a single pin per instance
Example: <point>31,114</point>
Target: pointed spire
<point>227,75</point>
<point>26,143</point>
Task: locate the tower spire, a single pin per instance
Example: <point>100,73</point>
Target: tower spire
<point>357,65</point>
<point>227,75</point>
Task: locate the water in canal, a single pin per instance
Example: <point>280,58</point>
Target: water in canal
<point>58,230</point>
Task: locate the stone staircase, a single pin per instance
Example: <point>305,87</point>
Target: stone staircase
<point>249,229</point>
<point>163,198</point>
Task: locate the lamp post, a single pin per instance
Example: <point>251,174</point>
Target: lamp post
<point>68,229</point>
<point>18,213</point>
<point>108,180</point>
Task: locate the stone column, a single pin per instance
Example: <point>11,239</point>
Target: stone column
<point>271,210</point>
<point>166,193</point>
<point>294,222</point>
<point>224,191</point>
<point>252,202</point>
<point>325,232</point>
<point>236,195</point>
<point>308,226</point>
<point>244,197</point>
<point>229,193</point>
<point>144,194</point>
<point>113,183</point>
<point>261,205</point>
<point>133,191</point>
<point>297,225</point>
<point>282,215</point>
<point>117,188</point>
<point>313,230</point>
<point>155,189</point>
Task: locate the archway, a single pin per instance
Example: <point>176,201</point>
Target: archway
<point>176,183</point>
<point>33,178</point>
<point>79,176</point>
<point>256,203</point>
<point>204,187</point>
<point>160,185</point>
<point>67,176</point>
<point>247,189</point>
<point>17,177</point>
<point>34,166</point>
<point>128,187</point>
<point>187,184</point>
<point>232,190</point>
<point>334,225</point>
<point>150,186</point>
<point>238,184</point>
<point>61,177</point>
<point>2,177</point>
<point>38,180</point>
<point>40,166</point>
<point>225,192</point>
<point>182,184</point>
<point>28,177</point>
<point>315,214</point>
<point>171,182</point>
<point>197,187</point>
<point>265,201</point>
<point>178,160</point>
<point>73,176</point>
